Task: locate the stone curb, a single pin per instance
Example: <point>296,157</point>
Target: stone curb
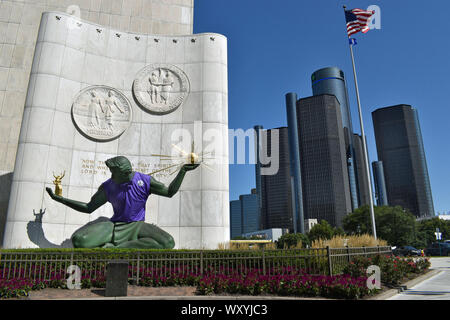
<point>411,283</point>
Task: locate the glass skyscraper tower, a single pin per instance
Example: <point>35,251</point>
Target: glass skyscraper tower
<point>331,80</point>
<point>380,184</point>
<point>400,148</point>
<point>276,190</point>
<point>244,215</point>
<point>235,219</point>
<point>326,191</point>
<point>363,183</point>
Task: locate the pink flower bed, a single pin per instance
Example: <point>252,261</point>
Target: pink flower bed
<point>284,281</point>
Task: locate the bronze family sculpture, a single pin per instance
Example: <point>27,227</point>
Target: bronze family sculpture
<point>127,191</point>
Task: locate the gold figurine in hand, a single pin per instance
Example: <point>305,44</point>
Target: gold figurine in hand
<point>57,183</point>
<point>193,157</point>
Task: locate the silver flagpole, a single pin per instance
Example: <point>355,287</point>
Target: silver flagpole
<point>363,137</point>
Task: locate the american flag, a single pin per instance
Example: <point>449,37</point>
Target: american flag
<point>357,20</point>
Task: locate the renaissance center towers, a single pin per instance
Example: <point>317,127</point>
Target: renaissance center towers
<point>331,80</point>
<point>400,149</point>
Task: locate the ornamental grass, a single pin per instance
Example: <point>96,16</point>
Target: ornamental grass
<point>363,240</point>
<point>246,246</point>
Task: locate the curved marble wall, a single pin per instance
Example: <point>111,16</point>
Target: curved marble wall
<point>19,26</point>
<point>73,55</point>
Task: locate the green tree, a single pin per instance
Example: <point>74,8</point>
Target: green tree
<point>421,238</point>
<point>339,232</point>
<point>322,230</point>
<point>358,222</point>
<point>394,224</point>
<point>427,228</point>
<point>291,240</point>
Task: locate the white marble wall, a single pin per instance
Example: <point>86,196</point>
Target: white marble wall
<point>19,24</point>
<point>67,60</point>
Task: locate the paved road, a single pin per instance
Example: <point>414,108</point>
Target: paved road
<point>434,288</point>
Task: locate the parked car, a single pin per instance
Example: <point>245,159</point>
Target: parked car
<point>438,249</point>
<point>406,251</point>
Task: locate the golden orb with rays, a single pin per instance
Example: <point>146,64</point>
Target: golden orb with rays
<point>184,157</point>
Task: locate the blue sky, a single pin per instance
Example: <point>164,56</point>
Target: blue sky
<point>274,46</point>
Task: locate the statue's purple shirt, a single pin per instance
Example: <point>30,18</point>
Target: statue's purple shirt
<point>128,199</point>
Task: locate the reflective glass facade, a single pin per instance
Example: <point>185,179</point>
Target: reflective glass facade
<point>380,184</point>
<point>400,148</point>
<point>363,183</point>
<point>276,194</point>
<point>325,183</point>
<point>250,218</point>
<point>331,80</point>
<point>258,129</point>
<point>294,156</point>
<point>235,219</point>
<point>244,215</point>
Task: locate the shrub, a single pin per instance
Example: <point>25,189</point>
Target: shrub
<point>292,240</point>
<point>322,230</point>
<point>393,269</point>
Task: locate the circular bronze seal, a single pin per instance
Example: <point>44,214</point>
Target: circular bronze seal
<point>160,88</point>
<point>101,113</point>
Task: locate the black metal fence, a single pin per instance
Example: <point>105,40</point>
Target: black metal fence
<point>340,257</point>
<point>43,265</point>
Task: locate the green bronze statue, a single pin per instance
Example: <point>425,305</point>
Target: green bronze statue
<point>127,191</point>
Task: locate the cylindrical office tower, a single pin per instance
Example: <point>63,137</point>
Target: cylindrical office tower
<point>360,169</point>
<point>400,147</point>
<point>325,183</point>
<point>425,196</point>
<point>294,149</point>
<point>380,184</point>
<point>258,129</point>
<point>278,210</point>
<point>331,80</point>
